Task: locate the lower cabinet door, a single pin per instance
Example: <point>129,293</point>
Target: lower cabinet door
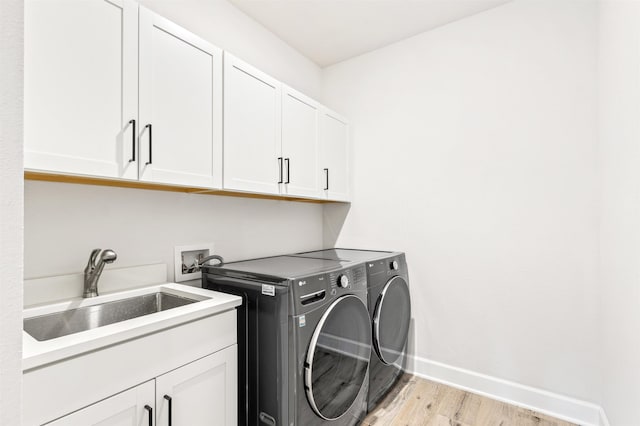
<point>202,393</point>
<point>134,407</point>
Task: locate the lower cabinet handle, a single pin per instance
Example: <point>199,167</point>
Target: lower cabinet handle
<point>150,411</point>
<point>327,172</point>
<point>280,166</point>
<point>168,398</point>
<point>288,171</point>
<point>148,126</point>
<point>133,141</point>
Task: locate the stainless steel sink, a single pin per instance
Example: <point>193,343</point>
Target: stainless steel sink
<point>51,326</point>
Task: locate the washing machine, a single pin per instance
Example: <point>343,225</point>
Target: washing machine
<point>304,340</point>
<point>389,304</point>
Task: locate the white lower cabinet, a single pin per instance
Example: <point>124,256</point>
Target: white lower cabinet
<point>133,407</point>
<point>201,393</point>
<point>193,363</point>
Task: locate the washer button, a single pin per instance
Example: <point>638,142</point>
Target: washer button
<point>394,265</point>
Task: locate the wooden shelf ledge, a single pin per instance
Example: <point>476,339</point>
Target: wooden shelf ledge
<point>86,180</point>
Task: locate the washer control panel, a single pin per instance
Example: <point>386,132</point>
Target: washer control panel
<point>309,292</point>
<point>354,278</point>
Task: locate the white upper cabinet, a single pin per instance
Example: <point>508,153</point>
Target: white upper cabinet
<point>180,105</point>
<point>300,126</point>
<point>81,86</point>
<point>271,134</point>
<point>334,155</point>
<point>116,91</point>
<point>252,129</point>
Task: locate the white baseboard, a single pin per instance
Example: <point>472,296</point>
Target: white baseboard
<point>544,402</point>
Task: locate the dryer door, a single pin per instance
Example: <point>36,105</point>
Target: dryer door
<point>391,319</point>
<point>338,357</point>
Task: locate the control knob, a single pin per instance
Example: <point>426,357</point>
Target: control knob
<point>394,265</point>
<point>343,281</point>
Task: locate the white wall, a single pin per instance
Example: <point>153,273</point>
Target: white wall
<point>221,23</point>
<point>619,104</point>
<point>11,78</point>
<point>64,222</point>
<point>475,153</point>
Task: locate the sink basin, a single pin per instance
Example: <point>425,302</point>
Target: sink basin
<point>51,326</point>
<point>76,326</point>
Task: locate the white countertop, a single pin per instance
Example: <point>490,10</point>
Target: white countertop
<point>39,353</point>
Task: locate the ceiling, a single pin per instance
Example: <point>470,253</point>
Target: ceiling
<point>331,31</point>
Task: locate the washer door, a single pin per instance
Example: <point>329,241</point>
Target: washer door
<point>338,357</point>
<point>391,320</point>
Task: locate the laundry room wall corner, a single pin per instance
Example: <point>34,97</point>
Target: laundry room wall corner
<point>476,155</point>
<point>333,218</point>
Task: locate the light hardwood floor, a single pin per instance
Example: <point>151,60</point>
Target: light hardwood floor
<point>414,401</point>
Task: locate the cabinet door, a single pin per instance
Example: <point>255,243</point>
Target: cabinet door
<point>202,393</point>
<point>334,157</point>
<point>300,128</point>
<point>81,86</point>
<point>252,129</point>
<point>180,105</point>
<point>129,408</point>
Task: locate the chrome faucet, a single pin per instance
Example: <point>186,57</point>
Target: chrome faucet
<point>94,268</point>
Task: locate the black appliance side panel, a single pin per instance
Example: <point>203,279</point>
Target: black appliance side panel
<point>262,349</point>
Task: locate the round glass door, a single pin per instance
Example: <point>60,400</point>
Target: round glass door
<point>338,357</point>
<point>391,320</point>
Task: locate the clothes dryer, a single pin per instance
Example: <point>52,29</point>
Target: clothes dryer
<point>389,304</point>
<point>304,339</point>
